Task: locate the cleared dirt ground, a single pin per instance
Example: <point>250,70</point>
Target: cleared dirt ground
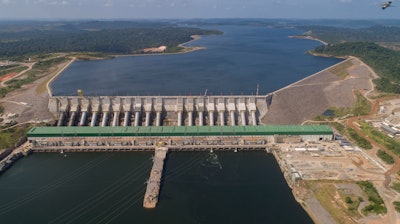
<point>313,95</point>
<point>31,101</point>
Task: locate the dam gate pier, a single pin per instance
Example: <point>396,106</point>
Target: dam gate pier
<point>158,110</point>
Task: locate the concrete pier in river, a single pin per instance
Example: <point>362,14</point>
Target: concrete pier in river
<point>154,182</point>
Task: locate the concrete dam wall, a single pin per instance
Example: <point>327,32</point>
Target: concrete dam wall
<point>158,110</point>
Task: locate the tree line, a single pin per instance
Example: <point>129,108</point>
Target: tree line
<point>334,35</point>
<point>112,41</point>
<point>383,60</point>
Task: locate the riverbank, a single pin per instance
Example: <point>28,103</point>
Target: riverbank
<point>309,38</point>
<point>14,155</point>
<point>310,205</point>
<point>184,49</point>
<point>57,73</point>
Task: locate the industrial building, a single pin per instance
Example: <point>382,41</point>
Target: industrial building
<point>174,137</point>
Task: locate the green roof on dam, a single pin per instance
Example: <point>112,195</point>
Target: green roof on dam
<point>180,131</point>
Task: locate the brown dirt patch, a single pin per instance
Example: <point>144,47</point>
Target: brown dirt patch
<point>8,76</point>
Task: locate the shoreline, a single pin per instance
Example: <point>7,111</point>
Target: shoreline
<point>285,173</point>
<point>183,51</point>
<point>54,77</point>
<point>309,38</point>
<point>182,45</point>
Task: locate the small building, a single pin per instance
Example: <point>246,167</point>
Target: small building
<point>11,115</point>
<point>389,130</point>
<point>296,176</point>
<point>300,149</point>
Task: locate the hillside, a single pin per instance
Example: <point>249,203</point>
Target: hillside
<point>384,61</point>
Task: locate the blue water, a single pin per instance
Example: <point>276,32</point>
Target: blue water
<point>232,63</point>
<point>198,187</point>
<point>226,187</point>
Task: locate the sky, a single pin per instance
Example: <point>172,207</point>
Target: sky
<point>177,9</point>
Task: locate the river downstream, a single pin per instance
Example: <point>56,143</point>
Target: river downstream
<point>198,187</point>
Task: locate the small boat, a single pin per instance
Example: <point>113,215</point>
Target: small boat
<point>211,151</point>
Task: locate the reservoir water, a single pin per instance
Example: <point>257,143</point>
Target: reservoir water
<point>198,187</point>
<point>232,63</point>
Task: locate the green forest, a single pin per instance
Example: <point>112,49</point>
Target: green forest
<point>384,61</point>
<point>104,37</point>
<point>377,45</point>
<point>335,35</point>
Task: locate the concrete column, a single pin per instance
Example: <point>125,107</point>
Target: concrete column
<point>211,115</point>
<point>61,119</point>
<point>243,115</point>
<point>137,118</point>
<point>115,119</point>
<point>147,122</point>
<point>105,119</point>
<point>221,118</point>
<point>179,118</point>
<point>233,123</point>
<point>190,117</point>
<point>94,118</point>
<point>253,117</point>
<point>201,118</point>
<point>126,119</point>
<point>82,122</point>
<point>158,118</point>
<point>72,119</point>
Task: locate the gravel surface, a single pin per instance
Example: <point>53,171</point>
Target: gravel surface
<point>311,96</point>
<point>28,103</point>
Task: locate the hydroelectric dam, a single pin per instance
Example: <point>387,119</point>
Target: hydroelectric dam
<point>158,110</point>
<point>164,123</point>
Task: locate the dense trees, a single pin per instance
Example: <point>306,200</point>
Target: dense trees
<point>106,37</point>
<point>334,35</point>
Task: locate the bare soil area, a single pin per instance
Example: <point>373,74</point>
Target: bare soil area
<point>8,76</point>
<point>28,103</point>
<point>313,95</point>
